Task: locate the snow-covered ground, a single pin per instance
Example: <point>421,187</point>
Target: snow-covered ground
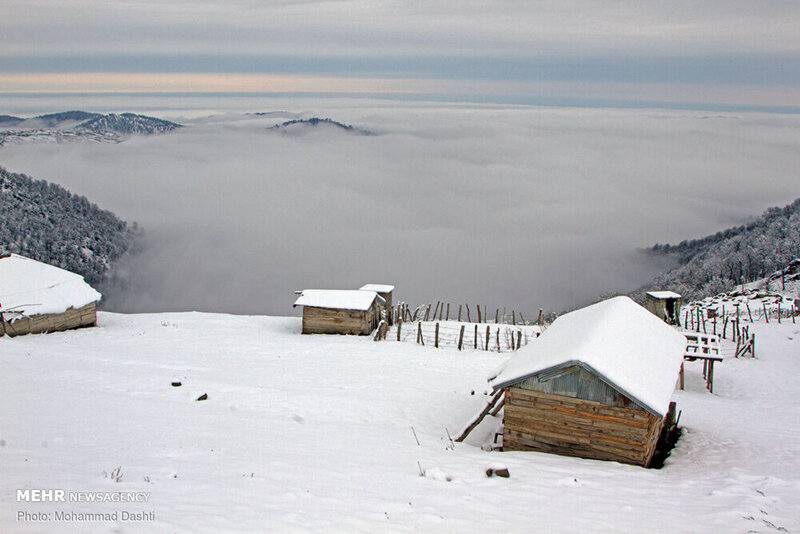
<point>314,433</point>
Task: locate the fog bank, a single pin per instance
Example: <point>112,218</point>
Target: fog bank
<point>503,206</point>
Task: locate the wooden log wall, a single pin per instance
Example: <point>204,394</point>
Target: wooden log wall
<point>53,322</point>
<point>328,321</point>
<point>538,421</point>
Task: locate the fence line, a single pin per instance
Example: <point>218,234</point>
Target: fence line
<point>441,311</point>
<point>452,334</point>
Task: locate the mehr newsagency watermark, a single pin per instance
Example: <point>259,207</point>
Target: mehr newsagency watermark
<point>130,512</point>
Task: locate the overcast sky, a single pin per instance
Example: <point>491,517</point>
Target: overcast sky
<point>730,52</point>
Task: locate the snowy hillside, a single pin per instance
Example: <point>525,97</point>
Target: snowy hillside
<point>128,123</point>
<point>772,298</point>
<point>46,222</point>
<point>80,125</point>
<point>332,433</point>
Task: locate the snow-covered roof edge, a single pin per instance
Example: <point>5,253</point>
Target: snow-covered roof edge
<point>664,294</point>
<point>338,299</point>
<point>30,287</point>
<point>379,288</point>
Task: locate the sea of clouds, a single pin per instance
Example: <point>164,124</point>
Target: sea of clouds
<point>505,206</point>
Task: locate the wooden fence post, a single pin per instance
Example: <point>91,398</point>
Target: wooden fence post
<point>459,312</point>
<point>704,323</point>
<point>448,312</point>
<point>461,337</point>
<point>488,335</point>
<point>540,316</point>
<point>738,342</point>
<point>766,315</point>
<point>469,320</point>
<point>479,313</point>
<point>436,310</point>
<point>476,338</point>
<point>498,339</point>
<point>514,317</point>
<point>436,338</point>
<point>427,312</point>
<point>749,313</point>
<point>496,315</point>
<point>519,339</point>
<point>419,334</point>
<point>715,325</point>
<point>779,312</point>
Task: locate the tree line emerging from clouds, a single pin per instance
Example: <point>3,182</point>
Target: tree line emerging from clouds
<point>46,222</point>
<point>719,262</point>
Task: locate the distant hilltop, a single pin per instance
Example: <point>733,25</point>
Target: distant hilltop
<point>69,125</point>
<point>303,125</point>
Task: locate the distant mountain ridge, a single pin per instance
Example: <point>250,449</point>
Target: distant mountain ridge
<point>76,125</point>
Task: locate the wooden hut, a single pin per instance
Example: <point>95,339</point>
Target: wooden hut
<point>36,297</point>
<point>596,384</point>
<point>385,292</point>
<point>665,305</point>
<point>339,311</point>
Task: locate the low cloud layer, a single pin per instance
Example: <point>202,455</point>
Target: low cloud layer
<point>518,207</point>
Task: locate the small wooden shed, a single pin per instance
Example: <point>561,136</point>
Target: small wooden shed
<point>36,297</point>
<point>385,292</point>
<point>339,311</point>
<point>664,304</point>
<point>596,384</point>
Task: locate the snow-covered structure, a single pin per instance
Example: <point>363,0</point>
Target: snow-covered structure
<point>339,311</point>
<point>385,292</point>
<point>664,304</point>
<point>36,297</point>
<point>596,384</point>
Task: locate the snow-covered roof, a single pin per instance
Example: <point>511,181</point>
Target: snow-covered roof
<point>338,299</point>
<point>632,349</point>
<point>31,287</point>
<point>664,294</point>
<point>378,288</point>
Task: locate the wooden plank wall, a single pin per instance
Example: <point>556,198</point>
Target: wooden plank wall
<point>539,421</point>
<point>328,321</point>
<point>54,322</point>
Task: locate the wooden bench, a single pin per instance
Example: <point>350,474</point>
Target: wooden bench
<point>708,367</point>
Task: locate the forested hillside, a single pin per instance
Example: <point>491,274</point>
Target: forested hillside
<point>742,254</point>
<point>48,223</point>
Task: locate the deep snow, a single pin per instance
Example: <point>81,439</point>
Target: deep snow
<point>314,433</point>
